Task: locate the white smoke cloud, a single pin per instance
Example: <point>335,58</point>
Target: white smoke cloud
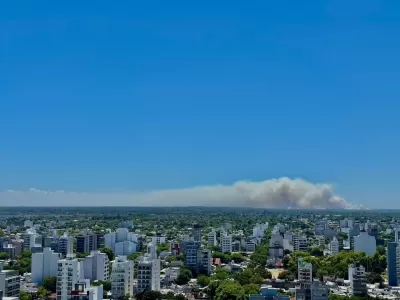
<point>273,193</point>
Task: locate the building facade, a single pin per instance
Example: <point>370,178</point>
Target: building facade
<point>87,242</point>
<point>365,243</point>
<point>10,282</point>
<point>122,272</point>
<point>391,256</point>
<point>68,274</point>
<point>96,266</point>
<point>226,243</point>
<point>148,277</point>
<point>357,278</point>
<point>44,264</point>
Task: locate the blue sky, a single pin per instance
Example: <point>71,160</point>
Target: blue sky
<point>154,95</point>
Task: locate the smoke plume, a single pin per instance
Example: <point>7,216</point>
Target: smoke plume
<point>273,193</point>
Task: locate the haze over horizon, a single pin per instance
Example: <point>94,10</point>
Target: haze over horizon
<point>263,104</point>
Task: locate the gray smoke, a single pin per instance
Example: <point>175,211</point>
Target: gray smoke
<point>273,193</point>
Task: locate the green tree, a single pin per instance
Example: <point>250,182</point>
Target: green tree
<point>251,289</point>
<point>3,255</point>
<point>109,252</point>
<point>256,279</point>
<point>25,296</point>
<point>221,274</point>
<point>135,255</point>
<point>212,288</point>
<point>151,295</point>
<point>286,275</point>
<point>315,251</point>
<point>237,257</point>
<point>230,290</point>
<point>50,283</point>
<point>43,293</point>
<point>163,247</point>
<point>203,280</point>
<point>184,276</point>
<point>81,255</point>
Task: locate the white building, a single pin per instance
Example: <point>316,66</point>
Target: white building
<point>95,266</point>
<point>259,230</point>
<point>397,234</point>
<point>365,243</point>
<point>9,282</point>
<point>44,264</point>
<point>300,243</point>
<point>226,243</point>
<point>159,239</point>
<point>346,223</point>
<point>334,246</point>
<point>83,290</point>
<point>212,238</point>
<point>122,242</point>
<point>288,236</point>
<point>65,244</point>
<point>69,273</point>
<point>148,277</point>
<point>29,238</point>
<point>122,277</point>
<point>304,271</point>
<point>357,278</point>
<point>276,246</point>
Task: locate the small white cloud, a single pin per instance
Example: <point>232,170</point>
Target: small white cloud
<point>273,193</point>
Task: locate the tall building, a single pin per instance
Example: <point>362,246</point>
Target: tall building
<point>44,264</point>
<point>320,227</point>
<point>276,246</point>
<point>95,266</point>
<point>86,242</point>
<point>397,234</point>
<point>304,271</point>
<point>148,277</point>
<point>259,230</point>
<point>204,261</point>
<point>69,273</point>
<point>158,239</point>
<point>65,245</point>
<point>334,246</point>
<point>357,280</point>
<point>365,243</point>
<point>196,232</point>
<point>121,241</point>
<point>190,250</point>
<point>251,244</point>
<point>226,243</point>
<point>392,249</point>
<point>300,243</point>
<point>212,238</point>
<point>29,238</point>
<point>9,282</point>
<point>122,277</point>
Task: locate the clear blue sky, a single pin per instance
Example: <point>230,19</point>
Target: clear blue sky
<point>143,95</point>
